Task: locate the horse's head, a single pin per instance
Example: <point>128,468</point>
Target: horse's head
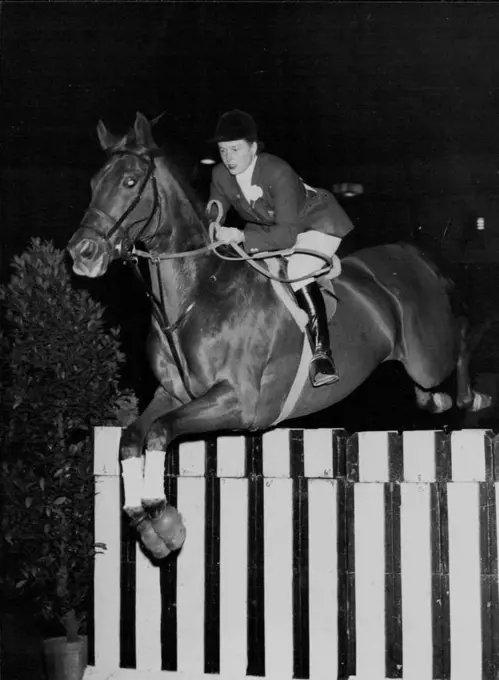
<point>125,204</point>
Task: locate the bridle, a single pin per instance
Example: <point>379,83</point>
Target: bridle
<point>123,248</point>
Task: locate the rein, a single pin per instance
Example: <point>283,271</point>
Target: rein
<point>214,245</point>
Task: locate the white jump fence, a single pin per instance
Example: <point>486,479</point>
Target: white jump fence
<point>309,554</point>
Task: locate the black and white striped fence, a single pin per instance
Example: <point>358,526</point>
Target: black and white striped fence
<point>309,554</point>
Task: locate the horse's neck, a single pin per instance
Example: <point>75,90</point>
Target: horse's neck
<point>173,280</point>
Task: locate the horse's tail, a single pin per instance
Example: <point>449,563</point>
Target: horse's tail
<point>477,332</point>
<point>446,272</point>
<point>473,329</point>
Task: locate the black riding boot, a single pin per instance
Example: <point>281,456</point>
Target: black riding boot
<point>322,368</point>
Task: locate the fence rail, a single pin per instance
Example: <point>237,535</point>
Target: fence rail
<point>309,554</point>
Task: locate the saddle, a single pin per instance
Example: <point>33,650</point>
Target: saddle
<point>277,267</point>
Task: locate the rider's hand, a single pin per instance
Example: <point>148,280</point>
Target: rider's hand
<point>229,234</point>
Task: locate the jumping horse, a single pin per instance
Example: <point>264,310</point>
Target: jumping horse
<point>223,346</point>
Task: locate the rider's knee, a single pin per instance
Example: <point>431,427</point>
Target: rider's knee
<point>301,264</point>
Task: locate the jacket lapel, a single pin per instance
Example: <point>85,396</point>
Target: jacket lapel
<point>240,197</point>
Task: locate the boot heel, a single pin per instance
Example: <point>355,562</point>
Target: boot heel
<point>323,371</point>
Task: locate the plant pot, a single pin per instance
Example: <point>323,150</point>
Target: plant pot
<point>65,660</point>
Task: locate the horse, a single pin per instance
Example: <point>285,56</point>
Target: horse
<point>224,347</point>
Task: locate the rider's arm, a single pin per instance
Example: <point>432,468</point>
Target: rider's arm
<point>288,196</point>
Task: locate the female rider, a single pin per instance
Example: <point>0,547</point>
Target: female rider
<point>281,211</point>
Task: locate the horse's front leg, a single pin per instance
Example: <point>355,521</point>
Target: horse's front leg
<point>134,482</point>
<point>160,525</point>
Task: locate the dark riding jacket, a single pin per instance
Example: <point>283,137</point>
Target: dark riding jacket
<point>283,207</point>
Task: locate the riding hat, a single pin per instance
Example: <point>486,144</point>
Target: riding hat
<point>234,125</point>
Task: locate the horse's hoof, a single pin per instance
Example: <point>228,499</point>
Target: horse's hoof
<point>442,402</point>
<point>480,401</point>
<point>151,540</point>
<point>168,524</point>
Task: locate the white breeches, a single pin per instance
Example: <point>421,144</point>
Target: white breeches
<point>301,264</point>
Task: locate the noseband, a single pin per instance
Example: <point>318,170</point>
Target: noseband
<point>117,224</point>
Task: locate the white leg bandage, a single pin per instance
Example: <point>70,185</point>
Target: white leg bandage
<point>133,481</point>
<point>154,475</point>
<point>301,264</point>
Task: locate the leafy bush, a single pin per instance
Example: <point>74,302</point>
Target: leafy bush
<point>60,368</point>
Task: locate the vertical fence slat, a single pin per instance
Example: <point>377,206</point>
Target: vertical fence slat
<point>323,580</point>
<point>494,581</point>
<point>416,581</point>
<point>148,613</point>
<point>468,456</point>
<point>488,571</point>
<point>278,572</point>
<point>212,562</point>
<point>276,455</point>
<point>464,581</point>
<point>369,531</point>
<point>393,586</point>
<point>373,452</point>
<point>419,456</point>
<point>318,453</point>
<point>190,577</point>
<point>107,531</point>
<point>370,579</point>
<point>231,456</point>
<point>440,606</point>
<point>233,577</point>
<point>256,557</point>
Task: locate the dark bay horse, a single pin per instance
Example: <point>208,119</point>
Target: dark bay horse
<point>223,346</point>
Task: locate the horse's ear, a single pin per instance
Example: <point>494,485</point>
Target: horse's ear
<point>156,120</point>
<point>106,139</point>
<point>142,129</point>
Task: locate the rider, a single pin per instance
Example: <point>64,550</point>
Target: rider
<point>281,211</point>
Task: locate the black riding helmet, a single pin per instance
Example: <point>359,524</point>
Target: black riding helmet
<point>234,125</point>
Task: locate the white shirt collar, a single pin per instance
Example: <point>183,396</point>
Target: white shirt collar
<point>244,178</point>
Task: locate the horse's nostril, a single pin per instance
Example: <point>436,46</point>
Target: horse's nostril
<point>88,249</point>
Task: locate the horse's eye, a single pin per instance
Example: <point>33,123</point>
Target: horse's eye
<point>130,182</point>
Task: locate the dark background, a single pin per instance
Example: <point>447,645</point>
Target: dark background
<point>400,97</point>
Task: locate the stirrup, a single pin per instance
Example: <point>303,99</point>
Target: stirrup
<point>322,370</point>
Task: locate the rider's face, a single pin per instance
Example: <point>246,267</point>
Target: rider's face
<point>237,155</point>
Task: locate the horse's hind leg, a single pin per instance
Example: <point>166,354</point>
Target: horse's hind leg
<point>429,366</point>
<point>434,402</point>
<point>466,397</point>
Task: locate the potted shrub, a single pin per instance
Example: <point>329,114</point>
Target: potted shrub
<point>60,368</point>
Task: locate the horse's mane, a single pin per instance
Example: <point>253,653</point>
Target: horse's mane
<point>179,175</point>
